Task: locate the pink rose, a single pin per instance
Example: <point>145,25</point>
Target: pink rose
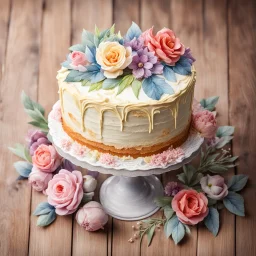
<point>92,216</point>
<point>65,191</point>
<point>78,58</point>
<point>46,158</point>
<point>205,123</point>
<point>165,44</point>
<point>214,186</point>
<point>190,206</point>
<point>39,180</point>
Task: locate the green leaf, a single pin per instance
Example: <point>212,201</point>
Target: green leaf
<point>87,197</point>
<point>136,86</point>
<point>43,208</point>
<point>163,201</point>
<point>150,234</point>
<point>77,47</point>
<point>23,168</point>
<point>182,177</point>
<point>170,225</point>
<point>111,83</point>
<point>85,82</point>
<point>189,171</point>
<point>21,151</point>
<point>46,219</point>
<point>178,233</point>
<point>234,203</point>
<point>43,126</point>
<point>212,221</point>
<point>237,182</point>
<point>96,86</point>
<point>126,81</point>
<point>223,141</point>
<point>168,211</point>
<point>187,229</point>
<point>211,201</point>
<point>196,179</point>
<point>217,169</point>
<point>225,131</point>
<point>96,31</point>
<point>209,103</point>
<point>30,104</point>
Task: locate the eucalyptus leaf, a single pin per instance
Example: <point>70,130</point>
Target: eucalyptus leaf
<point>23,168</point>
<point>237,182</point>
<point>150,234</point>
<point>21,151</point>
<point>209,103</point>
<point>170,225</point>
<point>46,219</point>
<point>225,131</point>
<point>178,233</point>
<point>223,141</point>
<point>212,221</point>
<point>43,208</point>
<point>43,126</point>
<point>136,86</point>
<point>30,104</point>
<point>234,203</point>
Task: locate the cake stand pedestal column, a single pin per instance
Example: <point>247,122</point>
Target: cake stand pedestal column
<point>130,198</point>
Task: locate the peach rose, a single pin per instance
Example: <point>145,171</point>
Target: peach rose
<point>65,191</point>
<point>39,180</point>
<point>165,44</point>
<point>205,123</point>
<point>113,58</point>
<point>46,158</point>
<point>190,206</point>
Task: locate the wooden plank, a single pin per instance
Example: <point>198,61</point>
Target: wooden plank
<point>124,13</point>
<point>98,12</point>
<point>55,40</point>
<point>241,23</point>
<point>214,77</point>
<point>4,28</point>
<point>20,73</point>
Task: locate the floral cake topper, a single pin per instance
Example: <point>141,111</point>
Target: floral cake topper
<point>107,60</point>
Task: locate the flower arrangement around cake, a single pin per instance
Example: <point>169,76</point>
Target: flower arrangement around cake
<point>107,60</point>
<point>198,195</point>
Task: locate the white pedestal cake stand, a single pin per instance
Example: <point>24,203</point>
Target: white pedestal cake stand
<point>129,194</point>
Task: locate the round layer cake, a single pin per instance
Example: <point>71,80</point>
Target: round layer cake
<point>139,108</point>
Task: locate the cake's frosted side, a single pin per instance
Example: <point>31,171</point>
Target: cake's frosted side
<point>143,126</point>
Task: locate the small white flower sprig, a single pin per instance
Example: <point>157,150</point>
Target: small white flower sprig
<point>199,195</point>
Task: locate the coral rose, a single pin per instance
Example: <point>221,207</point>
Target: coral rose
<point>39,180</point>
<point>190,206</point>
<point>205,123</point>
<point>65,191</point>
<point>46,158</point>
<point>214,186</point>
<point>113,58</point>
<point>165,44</point>
<point>92,216</point>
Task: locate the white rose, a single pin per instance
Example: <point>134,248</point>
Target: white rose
<point>90,183</point>
<point>113,58</point>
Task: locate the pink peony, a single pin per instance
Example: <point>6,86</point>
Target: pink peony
<point>46,158</point>
<point>92,216</point>
<point>214,186</point>
<point>65,191</point>
<point>78,58</point>
<point>39,180</point>
<point>107,159</point>
<point>166,157</point>
<point>190,206</point>
<point>165,44</point>
<point>205,123</point>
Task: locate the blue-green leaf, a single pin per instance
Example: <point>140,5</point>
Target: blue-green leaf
<point>225,131</point>
<point>90,54</point>
<point>237,182</point>
<point>182,67</point>
<point>21,151</point>
<point>30,104</point>
<point>170,225</point>
<point>168,211</point>
<point>87,38</point>
<point>169,74</point>
<point>111,83</point>
<point>133,31</point>
<point>74,76</point>
<point>234,203</point>
<point>178,233</point>
<point>77,47</point>
<point>46,219</point>
<point>23,168</point>
<point>209,103</point>
<point>136,86</point>
<point>154,87</point>
<point>223,141</point>
<point>212,221</point>
<point>43,208</point>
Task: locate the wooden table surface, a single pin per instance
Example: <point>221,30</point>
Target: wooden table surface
<point>34,40</point>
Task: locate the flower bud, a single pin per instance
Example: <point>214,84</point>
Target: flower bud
<point>90,183</point>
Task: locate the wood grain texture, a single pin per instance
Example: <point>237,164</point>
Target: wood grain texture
<point>20,73</point>
<point>99,13</point>
<point>242,86</point>
<point>55,40</point>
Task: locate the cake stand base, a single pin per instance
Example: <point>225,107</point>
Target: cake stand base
<point>130,198</point>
